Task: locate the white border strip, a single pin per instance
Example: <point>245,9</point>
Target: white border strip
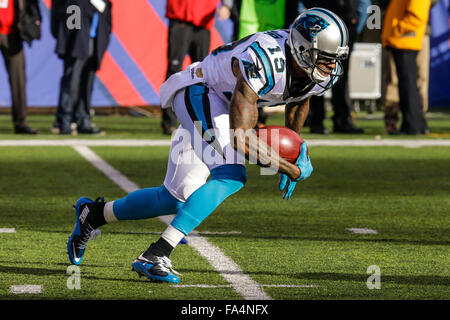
<point>228,269</point>
<point>7,230</point>
<point>154,143</point>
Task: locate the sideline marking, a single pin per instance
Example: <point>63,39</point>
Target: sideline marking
<point>199,232</point>
<point>227,268</point>
<point>26,288</point>
<point>154,143</point>
<point>362,230</point>
<point>82,142</point>
<point>211,286</point>
<point>219,232</point>
<point>7,230</point>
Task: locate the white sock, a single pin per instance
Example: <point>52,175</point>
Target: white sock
<point>108,212</point>
<point>172,236</point>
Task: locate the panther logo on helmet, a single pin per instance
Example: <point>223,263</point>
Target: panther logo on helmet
<point>310,25</point>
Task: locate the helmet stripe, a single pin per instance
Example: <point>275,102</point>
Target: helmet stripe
<point>336,21</point>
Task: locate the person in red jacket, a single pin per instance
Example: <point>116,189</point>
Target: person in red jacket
<point>20,21</point>
<point>190,22</point>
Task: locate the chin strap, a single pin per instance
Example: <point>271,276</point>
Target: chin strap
<point>317,76</point>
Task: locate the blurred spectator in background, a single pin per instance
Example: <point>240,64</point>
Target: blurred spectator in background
<point>390,103</point>
<point>404,27</point>
<point>256,16</point>
<point>362,15</point>
<point>251,16</point>
<point>342,104</point>
<point>235,14</point>
<point>190,22</point>
<point>20,20</point>
<point>293,9</point>
<point>82,50</point>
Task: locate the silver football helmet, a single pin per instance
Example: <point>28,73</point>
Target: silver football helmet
<point>318,35</point>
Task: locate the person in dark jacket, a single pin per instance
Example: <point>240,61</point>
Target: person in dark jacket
<point>82,50</point>
<point>342,104</point>
<point>20,20</point>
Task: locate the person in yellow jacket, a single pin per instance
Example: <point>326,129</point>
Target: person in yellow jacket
<point>404,27</point>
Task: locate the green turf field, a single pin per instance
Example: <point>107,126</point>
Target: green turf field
<point>402,193</point>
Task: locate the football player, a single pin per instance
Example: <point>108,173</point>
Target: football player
<point>210,98</point>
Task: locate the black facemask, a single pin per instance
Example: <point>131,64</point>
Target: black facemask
<point>295,87</point>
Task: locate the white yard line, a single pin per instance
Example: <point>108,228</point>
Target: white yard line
<point>380,143</point>
<point>289,286</point>
<point>7,230</point>
<point>80,142</point>
<point>200,232</point>
<point>212,286</point>
<point>362,230</point>
<point>152,143</point>
<point>228,269</point>
<point>117,177</point>
<point>219,232</point>
<point>26,288</point>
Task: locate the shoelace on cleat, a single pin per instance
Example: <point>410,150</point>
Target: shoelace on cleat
<point>164,264</point>
<point>90,233</point>
<point>84,237</point>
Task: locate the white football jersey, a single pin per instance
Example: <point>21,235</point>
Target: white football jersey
<point>262,60</point>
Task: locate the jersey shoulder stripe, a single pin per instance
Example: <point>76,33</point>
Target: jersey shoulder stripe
<point>267,67</point>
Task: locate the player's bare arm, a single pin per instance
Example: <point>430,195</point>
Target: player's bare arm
<point>296,113</point>
<point>243,118</point>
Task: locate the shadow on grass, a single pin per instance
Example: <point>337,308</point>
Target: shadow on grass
<point>137,280</point>
<point>429,280</point>
<point>397,279</point>
<point>31,271</point>
<point>329,239</point>
<point>257,236</point>
<point>50,272</point>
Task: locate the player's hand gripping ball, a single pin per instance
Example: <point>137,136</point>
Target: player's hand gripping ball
<point>287,185</point>
<point>292,148</point>
<point>284,140</point>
